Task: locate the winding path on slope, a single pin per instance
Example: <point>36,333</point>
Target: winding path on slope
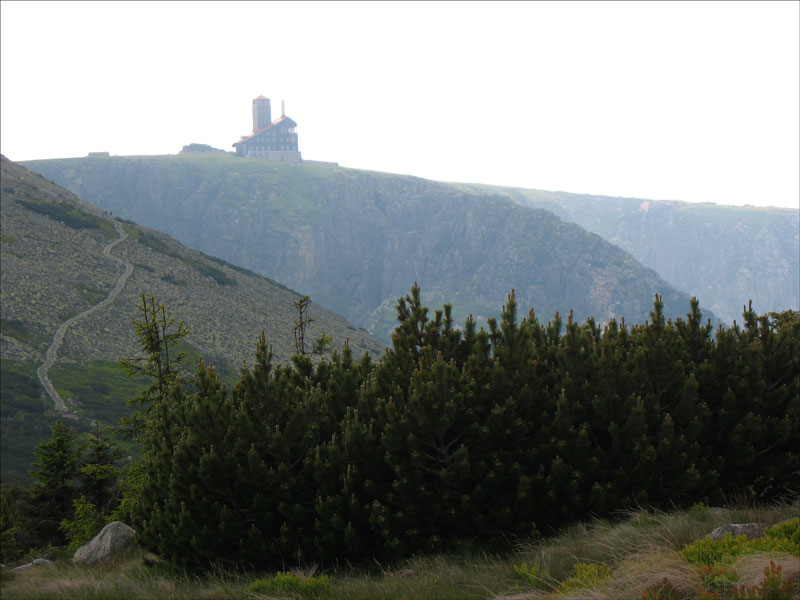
<point>52,351</point>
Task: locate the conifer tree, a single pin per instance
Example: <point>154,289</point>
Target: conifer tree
<point>760,406</point>
<point>344,459</point>
<point>188,477</point>
<point>99,472</point>
<point>696,337</point>
<point>159,336</point>
<point>55,472</point>
<point>97,495</point>
<point>303,321</point>
<point>13,538</point>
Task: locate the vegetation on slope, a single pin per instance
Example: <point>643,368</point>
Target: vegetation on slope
<point>471,435</point>
<point>53,268</point>
<point>52,271</point>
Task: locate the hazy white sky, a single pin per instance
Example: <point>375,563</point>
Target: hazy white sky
<point>677,100</point>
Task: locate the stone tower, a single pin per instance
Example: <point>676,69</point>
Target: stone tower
<point>262,114</point>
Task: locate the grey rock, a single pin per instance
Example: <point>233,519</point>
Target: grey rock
<point>112,538</point>
<point>751,530</point>
<point>36,562</point>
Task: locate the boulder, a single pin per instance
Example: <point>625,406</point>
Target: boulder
<point>112,538</point>
<point>751,530</point>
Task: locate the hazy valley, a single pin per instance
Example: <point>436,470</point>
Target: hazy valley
<point>724,255</point>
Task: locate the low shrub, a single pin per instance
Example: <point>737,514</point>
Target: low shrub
<point>585,575</point>
<point>286,583</point>
<point>706,552</point>
<point>71,217</point>
<point>699,511</point>
<point>85,524</point>
<point>789,530</point>
<point>718,578</point>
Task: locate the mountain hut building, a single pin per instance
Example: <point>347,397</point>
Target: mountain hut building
<point>275,140</point>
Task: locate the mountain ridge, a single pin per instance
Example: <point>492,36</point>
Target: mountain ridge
<point>726,254</point>
<point>357,240</point>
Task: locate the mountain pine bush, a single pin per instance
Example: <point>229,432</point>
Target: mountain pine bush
<point>465,434</point>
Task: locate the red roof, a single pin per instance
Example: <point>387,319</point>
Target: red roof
<point>262,98</point>
<point>275,123</point>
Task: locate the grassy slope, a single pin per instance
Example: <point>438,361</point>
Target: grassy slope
<point>640,549</point>
<point>51,271</point>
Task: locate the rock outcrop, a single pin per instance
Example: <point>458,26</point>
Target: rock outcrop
<point>36,562</point>
<point>751,530</point>
<point>113,538</point>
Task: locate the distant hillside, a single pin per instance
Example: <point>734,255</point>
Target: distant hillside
<point>356,240</point>
<point>725,255</point>
<point>53,268</point>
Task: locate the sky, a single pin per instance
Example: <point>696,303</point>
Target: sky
<point>693,101</point>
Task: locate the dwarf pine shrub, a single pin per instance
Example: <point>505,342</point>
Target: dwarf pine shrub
<point>465,434</point>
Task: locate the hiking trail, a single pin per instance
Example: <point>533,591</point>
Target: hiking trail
<point>58,338</point>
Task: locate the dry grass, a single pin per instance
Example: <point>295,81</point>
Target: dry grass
<point>435,577</point>
<point>126,578</point>
<point>751,568</point>
<point>637,574</point>
<point>640,549</point>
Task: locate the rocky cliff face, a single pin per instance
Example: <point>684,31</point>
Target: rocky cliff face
<point>356,241</point>
<point>724,255</point>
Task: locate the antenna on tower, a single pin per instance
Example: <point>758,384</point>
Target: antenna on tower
<point>283,109</point>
